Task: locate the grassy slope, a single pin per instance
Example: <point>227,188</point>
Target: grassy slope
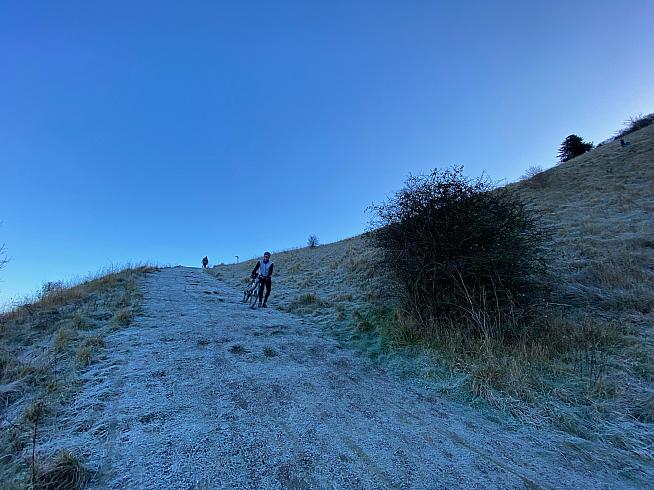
<point>45,348</point>
<point>594,378</point>
<point>601,206</point>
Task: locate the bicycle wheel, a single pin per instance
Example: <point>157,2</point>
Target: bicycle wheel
<point>255,296</point>
<point>247,292</point>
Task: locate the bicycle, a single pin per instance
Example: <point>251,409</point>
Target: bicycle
<point>251,292</point>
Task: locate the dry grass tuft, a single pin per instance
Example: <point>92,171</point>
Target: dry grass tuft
<point>57,296</point>
<point>88,348</point>
<point>80,322</point>
<point>84,355</point>
<point>304,303</point>
<point>123,317</point>
<point>64,472</point>
<point>63,338</point>
<point>309,299</point>
<point>34,411</point>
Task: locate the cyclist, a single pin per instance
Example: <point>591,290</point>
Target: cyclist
<point>265,269</point>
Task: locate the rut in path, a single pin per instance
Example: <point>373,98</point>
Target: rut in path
<point>204,392</point>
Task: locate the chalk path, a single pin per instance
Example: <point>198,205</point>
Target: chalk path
<point>204,392</point>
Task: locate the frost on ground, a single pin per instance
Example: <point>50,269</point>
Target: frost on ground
<point>202,392</point>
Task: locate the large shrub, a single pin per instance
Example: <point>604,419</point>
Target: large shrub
<point>572,147</point>
<point>464,254</point>
<point>535,177</point>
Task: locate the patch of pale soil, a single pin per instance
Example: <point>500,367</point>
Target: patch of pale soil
<point>203,392</point>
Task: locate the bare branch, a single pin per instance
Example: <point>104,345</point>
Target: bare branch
<point>3,256</point>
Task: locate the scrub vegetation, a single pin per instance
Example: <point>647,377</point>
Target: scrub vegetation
<point>46,346</point>
<point>635,123</point>
<point>582,362</point>
<point>464,256</point>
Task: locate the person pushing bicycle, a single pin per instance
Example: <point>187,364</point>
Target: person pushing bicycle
<point>265,269</point>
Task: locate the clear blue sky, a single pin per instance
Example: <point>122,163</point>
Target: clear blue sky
<point>164,131</point>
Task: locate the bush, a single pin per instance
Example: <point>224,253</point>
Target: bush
<point>312,241</point>
<point>51,287</point>
<point>535,177</point>
<point>572,147</point>
<point>465,255</point>
<point>635,123</point>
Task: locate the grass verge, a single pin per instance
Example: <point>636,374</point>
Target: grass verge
<point>46,345</point>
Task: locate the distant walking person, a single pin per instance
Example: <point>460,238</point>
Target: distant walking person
<point>265,269</point>
<point>205,262</point>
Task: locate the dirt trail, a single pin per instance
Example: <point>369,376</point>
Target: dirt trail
<point>202,392</point>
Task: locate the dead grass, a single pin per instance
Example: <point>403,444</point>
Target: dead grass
<point>123,317</point>
<point>44,346</point>
<point>305,302</point>
<point>63,472</point>
<point>89,347</point>
<point>63,339</point>
<point>575,376</point>
<point>80,322</point>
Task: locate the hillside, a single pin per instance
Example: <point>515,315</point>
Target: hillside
<point>146,377</point>
<point>595,377</point>
<point>601,208</point>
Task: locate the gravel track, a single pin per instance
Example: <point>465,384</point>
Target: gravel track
<point>204,392</point>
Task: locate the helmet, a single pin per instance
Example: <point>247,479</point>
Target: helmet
<point>267,254</point>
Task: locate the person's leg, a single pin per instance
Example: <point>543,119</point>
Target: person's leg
<point>261,283</point>
<point>268,285</point>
